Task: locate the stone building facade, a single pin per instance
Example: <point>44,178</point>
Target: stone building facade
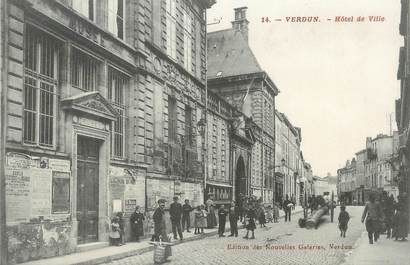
<point>105,105</point>
<point>402,109</point>
<point>235,74</point>
<point>290,174</point>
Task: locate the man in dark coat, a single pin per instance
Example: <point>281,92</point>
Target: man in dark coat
<point>233,219</point>
<point>222,220</point>
<point>159,222</point>
<point>287,207</point>
<point>175,211</point>
<point>186,218</point>
<point>136,221</point>
<point>372,214</point>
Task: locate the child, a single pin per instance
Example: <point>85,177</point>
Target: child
<point>250,223</point>
<point>343,220</point>
<point>276,212</point>
<point>261,217</point>
<point>115,235</point>
<point>269,214</point>
<point>203,220</point>
<point>197,219</point>
<point>222,220</point>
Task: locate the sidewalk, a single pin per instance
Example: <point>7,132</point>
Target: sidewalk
<point>111,253</point>
<point>384,252</point>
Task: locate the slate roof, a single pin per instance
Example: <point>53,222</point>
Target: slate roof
<point>230,54</point>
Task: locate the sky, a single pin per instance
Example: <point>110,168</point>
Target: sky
<point>337,81</point>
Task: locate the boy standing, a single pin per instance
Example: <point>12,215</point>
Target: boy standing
<point>222,220</point>
<point>343,220</point>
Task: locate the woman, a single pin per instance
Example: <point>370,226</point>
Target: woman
<point>211,217</point>
<point>372,215</point>
<point>136,220</point>
<point>400,229</point>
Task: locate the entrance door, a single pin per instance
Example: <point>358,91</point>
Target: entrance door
<point>87,189</point>
<point>240,187</point>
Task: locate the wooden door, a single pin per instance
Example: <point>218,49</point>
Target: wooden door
<point>87,189</point>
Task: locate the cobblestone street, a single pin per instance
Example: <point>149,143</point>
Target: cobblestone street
<point>214,250</point>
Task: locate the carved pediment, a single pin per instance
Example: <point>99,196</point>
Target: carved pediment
<point>90,103</point>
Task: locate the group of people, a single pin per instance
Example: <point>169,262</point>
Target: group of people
<point>381,214</point>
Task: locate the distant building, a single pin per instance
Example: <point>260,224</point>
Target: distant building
<point>289,153</point>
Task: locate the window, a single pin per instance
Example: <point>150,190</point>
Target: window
<point>116,17</point>
<point>84,71</point>
<point>158,119</point>
<point>187,42</point>
<point>85,7</point>
<point>188,126</point>
<point>171,28</point>
<point>117,84</point>
<point>172,119</point>
<point>40,88</point>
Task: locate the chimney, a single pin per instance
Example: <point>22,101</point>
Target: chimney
<point>241,23</point>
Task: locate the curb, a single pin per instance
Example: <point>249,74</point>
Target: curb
<point>143,250</point>
<point>347,255</point>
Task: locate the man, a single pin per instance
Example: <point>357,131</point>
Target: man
<point>222,220</point>
<point>159,222</point>
<point>287,207</point>
<point>175,211</point>
<point>233,219</point>
<point>372,214</point>
<point>186,219</point>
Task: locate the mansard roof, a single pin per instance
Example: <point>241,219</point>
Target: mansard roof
<point>230,55</point>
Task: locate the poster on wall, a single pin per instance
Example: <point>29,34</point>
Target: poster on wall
<point>40,192</point>
<point>17,194</point>
<point>61,192</point>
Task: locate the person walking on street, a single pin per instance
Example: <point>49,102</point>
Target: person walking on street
<point>175,211</point>
<point>261,216</point>
<point>389,215</point>
<point>233,219</point>
<point>222,220</point>
<point>136,221</point>
<point>159,222</point>
<point>287,207</point>
<point>186,218</point>
<point>250,223</point>
<point>401,222</point>
<point>344,218</point>
<point>371,214</point>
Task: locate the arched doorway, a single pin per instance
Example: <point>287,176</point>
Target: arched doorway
<point>240,178</point>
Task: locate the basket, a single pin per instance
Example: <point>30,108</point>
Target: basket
<point>161,252</point>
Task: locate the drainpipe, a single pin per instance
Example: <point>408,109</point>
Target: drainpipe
<point>3,96</point>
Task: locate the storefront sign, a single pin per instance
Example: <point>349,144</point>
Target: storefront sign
<point>59,165</point>
<point>17,160</point>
